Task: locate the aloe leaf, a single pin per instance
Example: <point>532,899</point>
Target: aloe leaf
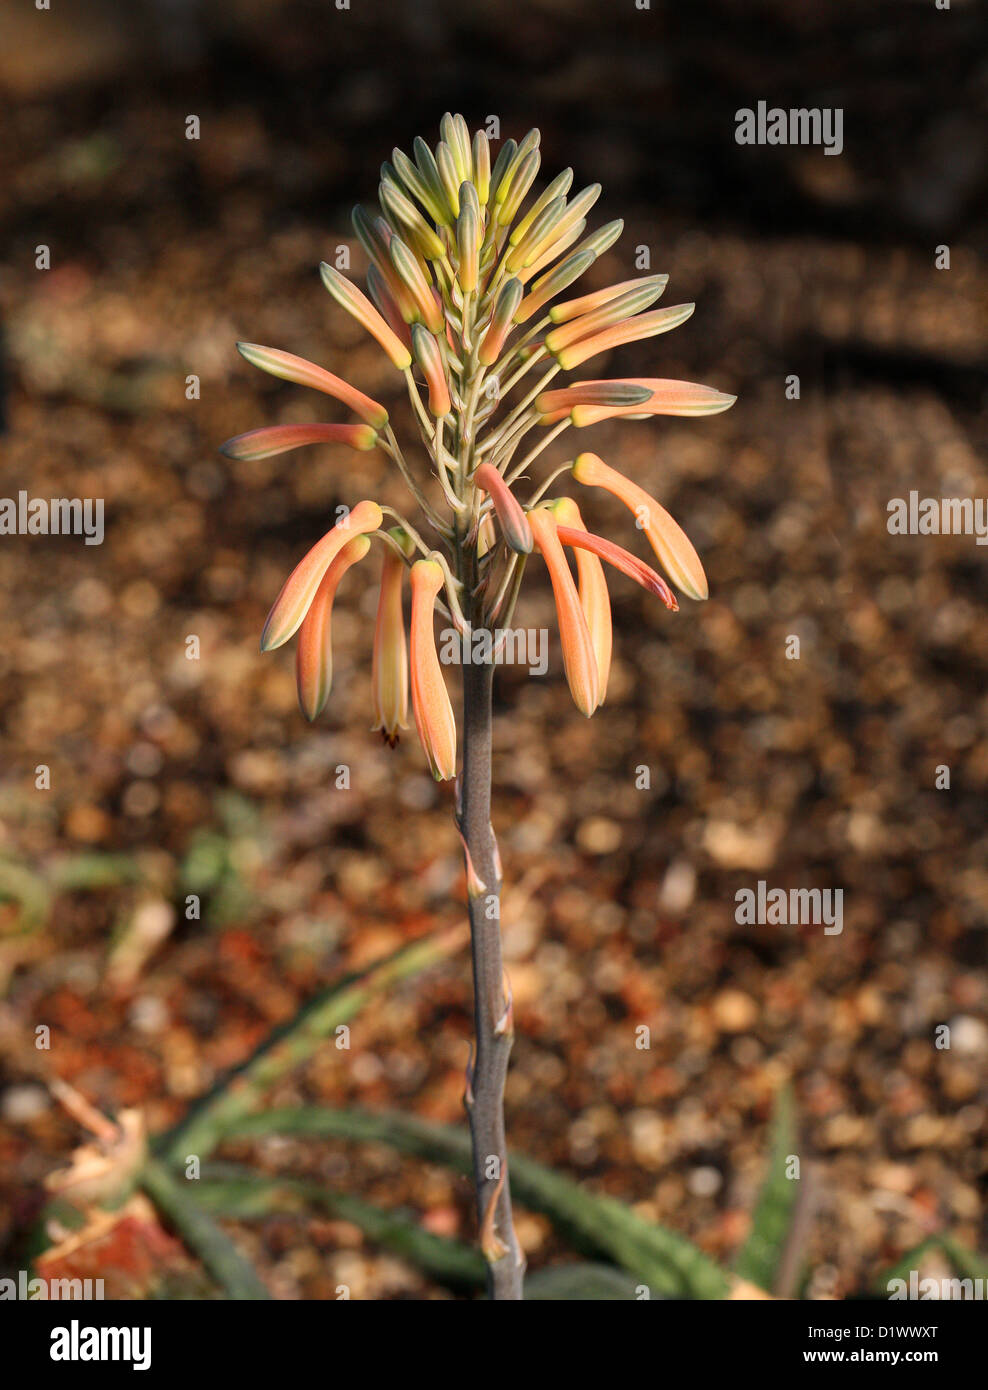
<point>763,1254</point>
<point>219,1256</point>
<point>967,1264</point>
<point>228,1191</point>
<point>666,1262</point>
<point>241,1090</point>
<point>580,1282</point>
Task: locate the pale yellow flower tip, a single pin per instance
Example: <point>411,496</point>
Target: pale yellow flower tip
<point>667,538</point>
<point>431,706</point>
<point>579,658</point>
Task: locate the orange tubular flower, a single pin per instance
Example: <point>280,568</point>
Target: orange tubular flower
<point>627,331</point>
<point>589,303</point>
<point>430,359</point>
<point>666,537</point>
<point>291,368</point>
<point>299,589</point>
<point>502,322</point>
<point>430,698</point>
<point>593,591</point>
<point>664,397</point>
<point>615,309</point>
<point>357,304</point>
<point>621,559</point>
<point>389,675</point>
<point>383,295</point>
<point>414,277</point>
<point>579,657</point>
<point>553,283</point>
<point>514,525</point>
<point>314,653</point>
<point>278,439</point>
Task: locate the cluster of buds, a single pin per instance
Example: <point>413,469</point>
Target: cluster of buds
<point>463,295</point>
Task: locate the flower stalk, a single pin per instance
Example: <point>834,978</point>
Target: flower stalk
<point>466,260</point>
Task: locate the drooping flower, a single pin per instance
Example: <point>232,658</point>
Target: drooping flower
<point>579,659</point>
<point>667,538</point>
<point>429,357</point>
<point>515,527</point>
<point>389,673</point>
<point>592,587</point>
<point>292,604</point>
<point>620,558</point>
<point>431,706</point>
<point>314,652</point>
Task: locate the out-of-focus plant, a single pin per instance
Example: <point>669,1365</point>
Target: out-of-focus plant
<point>467,269</point>
<point>97,1225</point>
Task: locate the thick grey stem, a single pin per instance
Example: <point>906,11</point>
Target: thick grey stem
<point>492,1009</point>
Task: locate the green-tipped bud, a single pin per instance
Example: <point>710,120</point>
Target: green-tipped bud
<point>427,167</point>
<point>606,312</point>
<point>627,331</point>
<point>404,212</point>
<point>590,303</point>
<point>502,321</point>
<point>517,185</point>
<point>528,146</point>
<point>397,309</point>
<point>575,212</point>
<point>553,283</point>
<point>354,302</point>
<point>501,165</point>
<point>603,239</point>
<point>482,166</point>
<point>469,198</point>
<point>559,187</point>
<point>455,133</point>
<point>413,277</point>
<point>620,393</point>
<point>429,358</point>
<point>553,250</point>
<point>467,243</point>
<point>418,188</point>
<point>541,233</point>
<point>368,237</point>
<point>449,176</point>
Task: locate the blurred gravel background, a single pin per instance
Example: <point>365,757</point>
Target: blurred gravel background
<point>619,904</point>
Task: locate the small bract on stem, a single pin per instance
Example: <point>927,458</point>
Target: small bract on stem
<point>463,296</point>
